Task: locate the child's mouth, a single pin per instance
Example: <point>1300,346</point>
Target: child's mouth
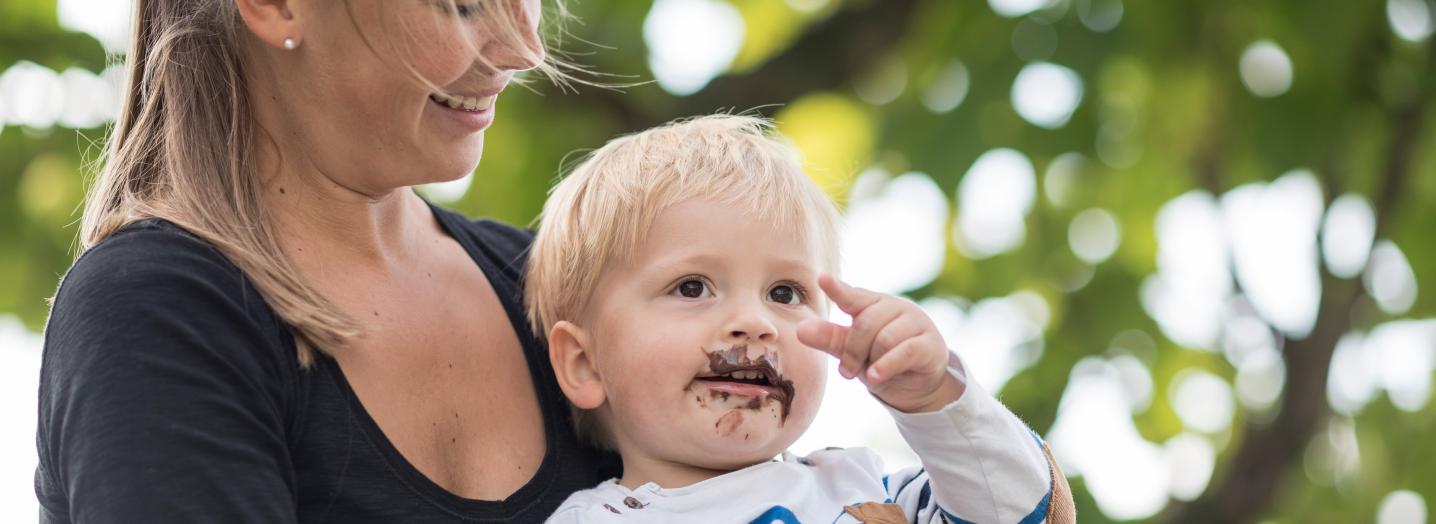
<point>732,372</point>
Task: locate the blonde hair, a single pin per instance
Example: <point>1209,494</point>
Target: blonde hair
<point>183,150</point>
<point>603,209</point>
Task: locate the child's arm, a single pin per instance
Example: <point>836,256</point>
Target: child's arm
<point>980,463</point>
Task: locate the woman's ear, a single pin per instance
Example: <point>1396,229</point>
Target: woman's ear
<point>571,352</point>
<point>271,21</point>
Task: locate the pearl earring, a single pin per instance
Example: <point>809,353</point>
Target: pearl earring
<point>289,44</point>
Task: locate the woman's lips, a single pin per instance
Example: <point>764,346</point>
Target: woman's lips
<point>469,120</point>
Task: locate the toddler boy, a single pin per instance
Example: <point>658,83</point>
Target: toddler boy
<point>677,276</point>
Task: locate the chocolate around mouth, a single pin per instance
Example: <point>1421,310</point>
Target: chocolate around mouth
<point>736,359</point>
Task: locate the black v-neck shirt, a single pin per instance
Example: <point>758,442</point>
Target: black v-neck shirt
<point>170,392</point>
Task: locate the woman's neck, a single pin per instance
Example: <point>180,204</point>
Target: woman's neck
<point>322,222</point>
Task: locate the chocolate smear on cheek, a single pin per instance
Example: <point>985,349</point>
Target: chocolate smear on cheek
<point>728,423</point>
<point>736,358</point>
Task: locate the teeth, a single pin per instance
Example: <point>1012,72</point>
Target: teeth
<point>467,103</point>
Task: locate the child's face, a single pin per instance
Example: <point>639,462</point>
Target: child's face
<point>711,299</point>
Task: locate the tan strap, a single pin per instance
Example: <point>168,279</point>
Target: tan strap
<point>877,513</point>
<point>1060,509</point>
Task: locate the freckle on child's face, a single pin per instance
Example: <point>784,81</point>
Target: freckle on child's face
<point>696,338</point>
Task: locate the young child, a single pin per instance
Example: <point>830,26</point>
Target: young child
<point>676,276</point>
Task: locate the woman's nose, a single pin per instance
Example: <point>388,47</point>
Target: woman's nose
<point>514,44</point>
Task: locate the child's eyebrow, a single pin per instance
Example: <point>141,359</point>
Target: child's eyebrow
<point>797,267</point>
<point>662,264</point>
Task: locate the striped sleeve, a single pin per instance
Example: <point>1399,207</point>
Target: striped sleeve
<point>980,464</point>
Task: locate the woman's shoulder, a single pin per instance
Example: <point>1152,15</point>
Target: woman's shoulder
<point>151,259</point>
<point>149,253</point>
<point>162,370</point>
<point>152,277</point>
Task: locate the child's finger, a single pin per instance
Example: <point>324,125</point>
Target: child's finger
<point>860,348</point>
<point>852,300</point>
<point>823,336</point>
<point>893,334</point>
<point>895,362</point>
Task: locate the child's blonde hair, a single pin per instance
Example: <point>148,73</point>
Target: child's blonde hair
<point>602,210</point>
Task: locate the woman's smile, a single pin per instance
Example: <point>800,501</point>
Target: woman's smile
<point>472,113</point>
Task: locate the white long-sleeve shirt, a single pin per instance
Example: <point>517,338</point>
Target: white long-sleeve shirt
<point>980,463</point>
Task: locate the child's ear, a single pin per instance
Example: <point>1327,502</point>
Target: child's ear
<point>570,351</point>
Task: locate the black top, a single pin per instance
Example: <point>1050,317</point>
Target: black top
<point>170,392</point>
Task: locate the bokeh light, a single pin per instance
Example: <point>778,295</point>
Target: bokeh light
<point>1094,235</point>
<point>1060,180</point>
<point>450,191</point>
<point>998,337</point>
<point>1016,8</point>
<point>1410,19</point>
<point>1046,94</point>
<point>690,42</point>
<point>1191,458</point>
<point>1351,381</point>
<point>1033,40</point>
<point>1193,278</point>
<point>19,380</point>
<point>106,20</point>
<point>1202,400</point>
<point>894,232</point>
<point>1346,235</point>
<point>1265,69</point>
<point>1094,438</point>
<point>993,200</point>
<point>1272,229</point>
<point>1100,15</point>
<point>1405,356</point>
<point>34,95</point>
<point>1402,507</point>
<point>884,83</point>
<point>948,88</point>
<point>1389,278</point>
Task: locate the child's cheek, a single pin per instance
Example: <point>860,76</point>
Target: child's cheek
<point>812,380</point>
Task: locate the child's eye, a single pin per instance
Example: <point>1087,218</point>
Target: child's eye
<point>790,294</point>
<point>692,288</point>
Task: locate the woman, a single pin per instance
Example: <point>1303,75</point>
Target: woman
<point>267,324</point>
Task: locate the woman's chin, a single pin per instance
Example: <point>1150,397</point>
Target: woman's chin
<point>458,161</point>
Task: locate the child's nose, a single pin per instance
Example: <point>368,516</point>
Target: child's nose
<point>752,327</point>
<point>762,336</point>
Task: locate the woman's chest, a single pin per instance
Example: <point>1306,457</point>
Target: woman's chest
<point>443,375</point>
<point>347,470</point>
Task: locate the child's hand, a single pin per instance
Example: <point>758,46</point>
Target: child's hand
<point>892,346</point>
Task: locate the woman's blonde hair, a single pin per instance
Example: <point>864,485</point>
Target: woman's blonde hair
<point>601,212</point>
<point>183,150</point>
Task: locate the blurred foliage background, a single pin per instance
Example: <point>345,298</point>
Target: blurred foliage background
<point>1183,239</point>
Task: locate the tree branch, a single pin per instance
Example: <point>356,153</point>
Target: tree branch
<point>1268,453</point>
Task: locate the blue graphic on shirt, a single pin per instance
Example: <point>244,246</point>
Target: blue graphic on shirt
<point>777,514</point>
